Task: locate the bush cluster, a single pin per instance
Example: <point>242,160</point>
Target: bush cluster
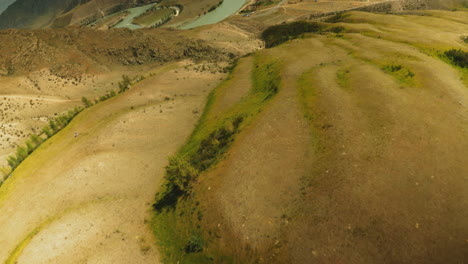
<point>125,84</point>
<point>182,172</point>
<point>278,34</point>
<point>174,205</point>
<point>458,57</point>
<point>340,17</point>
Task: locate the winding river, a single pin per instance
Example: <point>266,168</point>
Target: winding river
<point>227,8</point>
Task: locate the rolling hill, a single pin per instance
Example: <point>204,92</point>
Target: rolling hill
<point>308,132</point>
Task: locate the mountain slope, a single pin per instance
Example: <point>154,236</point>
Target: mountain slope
<point>96,208</point>
<point>360,157</point>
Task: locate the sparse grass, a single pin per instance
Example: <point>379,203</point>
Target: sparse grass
<point>342,78</point>
<point>176,219</point>
<point>464,39</point>
<point>401,73</point>
<point>56,125</point>
<point>307,97</point>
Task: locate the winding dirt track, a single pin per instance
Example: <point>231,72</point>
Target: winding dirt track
<point>87,199</point>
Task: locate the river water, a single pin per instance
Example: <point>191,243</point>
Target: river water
<point>227,8</point>
<point>4,4</point>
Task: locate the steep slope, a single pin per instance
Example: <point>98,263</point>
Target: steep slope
<point>359,158</point>
<point>33,14</point>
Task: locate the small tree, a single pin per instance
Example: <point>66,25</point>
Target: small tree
<point>21,154</point>
<point>70,114</point>
<point>87,103</point>
<point>61,121</point>
<point>12,162</point>
<point>180,173</point>
<point>53,125</point>
<point>124,84</point>
<point>37,140</point>
<point>29,147</point>
<point>47,131</point>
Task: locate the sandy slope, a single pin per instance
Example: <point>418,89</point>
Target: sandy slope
<point>87,199</point>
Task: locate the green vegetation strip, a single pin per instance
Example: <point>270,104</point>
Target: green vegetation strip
<point>458,57</point>
<point>176,220</point>
<point>278,34</point>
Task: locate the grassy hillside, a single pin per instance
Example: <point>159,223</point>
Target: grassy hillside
<point>177,219</point>
<point>360,157</point>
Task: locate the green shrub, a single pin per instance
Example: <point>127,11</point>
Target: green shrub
<point>337,29</point>
<point>21,154</point>
<point>181,172</point>
<point>125,84</point>
<point>37,140</point>
<point>29,147</point>
<point>393,68</point>
<point>464,38</point>
<point>86,102</point>
<point>47,131</point>
<point>278,34</point>
<point>194,245</point>
<point>337,18</point>
<point>215,144</point>
<point>12,162</point>
<point>457,57</point>
<point>52,125</point>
